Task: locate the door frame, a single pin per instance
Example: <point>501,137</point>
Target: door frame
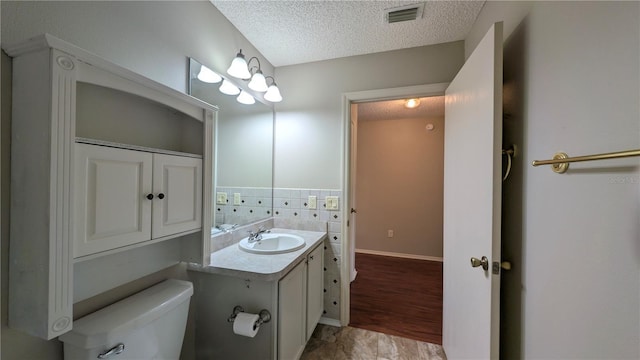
<point>436,89</point>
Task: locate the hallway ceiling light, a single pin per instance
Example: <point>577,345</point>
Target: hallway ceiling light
<point>245,98</point>
<point>412,103</point>
<point>207,75</point>
<point>228,88</point>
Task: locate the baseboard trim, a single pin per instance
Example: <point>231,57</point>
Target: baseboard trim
<point>328,321</point>
<point>400,255</point>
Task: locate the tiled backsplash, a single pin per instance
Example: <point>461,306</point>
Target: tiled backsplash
<point>292,205</point>
<point>291,210</point>
<point>255,204</point>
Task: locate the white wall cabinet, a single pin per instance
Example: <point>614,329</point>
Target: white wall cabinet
<point>52,80</point>
<point>125,197</point>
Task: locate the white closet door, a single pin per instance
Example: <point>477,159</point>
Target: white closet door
<point>112,209</point>
<point>177,190</point>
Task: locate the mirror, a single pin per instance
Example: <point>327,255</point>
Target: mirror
<point>243,169</point>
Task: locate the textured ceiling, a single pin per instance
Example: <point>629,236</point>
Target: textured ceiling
<point>394,109</point>
<point>294,32</point>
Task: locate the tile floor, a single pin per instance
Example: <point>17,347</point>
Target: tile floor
<point>349,343</point>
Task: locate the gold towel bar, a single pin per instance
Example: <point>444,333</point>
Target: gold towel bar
<point>560,161</point>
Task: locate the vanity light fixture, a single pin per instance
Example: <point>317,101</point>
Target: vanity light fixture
<point>239,68</point>
<point>245,98</point>
<point>242,69</point>
<point>228,88</point>
<point>273,93</point>
<point>209,76</point>
<point>258,82</point>
<point>412,103</point>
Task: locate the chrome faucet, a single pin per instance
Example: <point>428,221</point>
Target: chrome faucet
<point>257,236</point>
<point>227,229</point>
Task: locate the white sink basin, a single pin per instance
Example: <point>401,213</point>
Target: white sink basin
<point>273,243</point>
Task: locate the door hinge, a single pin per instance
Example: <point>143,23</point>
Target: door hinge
<point>347,223</point>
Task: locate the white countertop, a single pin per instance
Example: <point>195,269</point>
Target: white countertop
<point>233,261</point>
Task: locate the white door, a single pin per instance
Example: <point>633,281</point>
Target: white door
<point>472,195</point>
<point>177,187</point>
<point>112,208</point>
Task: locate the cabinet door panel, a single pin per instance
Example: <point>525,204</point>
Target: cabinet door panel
<point>292,310</point>
<point>111,208</point>
<point>179,180</point>
<point>315,288</point>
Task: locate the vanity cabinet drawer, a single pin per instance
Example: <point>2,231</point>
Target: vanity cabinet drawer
<point>124,197</point>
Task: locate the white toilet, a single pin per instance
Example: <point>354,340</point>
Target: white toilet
<point>147,325</point>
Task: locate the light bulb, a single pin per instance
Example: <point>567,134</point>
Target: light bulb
<point>209,76</point>
<point>245,98</point>
<point>239,67</point>
<point>273,94</point>
<point>412,103</point>
<point>228,88</point>
<point>258,82</point>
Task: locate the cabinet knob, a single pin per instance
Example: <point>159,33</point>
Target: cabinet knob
<point>161,196</point>
<point>150,196</point>
<point>311,257</point>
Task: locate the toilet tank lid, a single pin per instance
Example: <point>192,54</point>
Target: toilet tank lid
<point>134,312</point>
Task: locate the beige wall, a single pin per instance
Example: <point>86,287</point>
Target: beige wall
<point>399,186</point>
<point>571,83</point>
<point>309,128</point>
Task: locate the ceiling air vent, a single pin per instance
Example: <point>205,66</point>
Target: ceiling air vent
<point>403,13</point>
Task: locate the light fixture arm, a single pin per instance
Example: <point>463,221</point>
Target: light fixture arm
<point>273,81</point>
<point>251,69</point>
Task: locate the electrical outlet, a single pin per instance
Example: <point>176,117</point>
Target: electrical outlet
<point>312,202</point>
<point>237,199</point>
<point>331,202</point>
<point>221,198</point>
<point>390,233</point>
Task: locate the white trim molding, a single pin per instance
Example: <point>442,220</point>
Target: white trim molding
<point>347,270</point>
<point>400,255</point>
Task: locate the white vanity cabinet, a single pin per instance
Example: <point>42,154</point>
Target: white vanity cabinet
<point>300,305</point>
<point>125,197</point>
<point>292,310</point>
<point>61,92</point>
<point>315,289</point>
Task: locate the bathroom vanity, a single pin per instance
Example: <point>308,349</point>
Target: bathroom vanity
<point>288,285</point>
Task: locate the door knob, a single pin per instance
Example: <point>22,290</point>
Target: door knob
<point>484,262</point>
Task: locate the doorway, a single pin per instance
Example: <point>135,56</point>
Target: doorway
<point>395,198</point>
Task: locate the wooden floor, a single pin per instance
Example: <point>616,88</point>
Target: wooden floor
<point>398,296</point>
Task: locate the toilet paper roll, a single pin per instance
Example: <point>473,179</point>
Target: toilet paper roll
<point>244,324</point>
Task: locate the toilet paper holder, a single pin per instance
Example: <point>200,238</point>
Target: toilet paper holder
<point>264,316</point>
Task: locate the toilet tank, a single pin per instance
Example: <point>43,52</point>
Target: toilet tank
<point>147,325</point>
